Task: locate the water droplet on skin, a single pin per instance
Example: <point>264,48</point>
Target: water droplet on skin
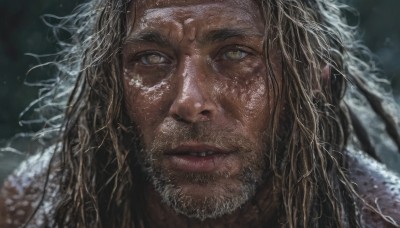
<point>189,20</point>
<point>136,82</point>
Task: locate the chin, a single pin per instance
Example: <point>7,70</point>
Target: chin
<point>204,186</point>
<point>204,196</point>
<point>203,202</point>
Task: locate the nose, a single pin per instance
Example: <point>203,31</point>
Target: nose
<point>193,102</point>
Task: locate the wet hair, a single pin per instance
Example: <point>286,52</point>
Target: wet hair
<point>100,186</point>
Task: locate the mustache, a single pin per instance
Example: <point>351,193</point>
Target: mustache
<point>172,135</point>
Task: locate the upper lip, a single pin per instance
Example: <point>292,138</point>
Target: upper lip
<point>196,148</point>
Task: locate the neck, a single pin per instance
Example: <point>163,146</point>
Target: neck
<point>260,211</point>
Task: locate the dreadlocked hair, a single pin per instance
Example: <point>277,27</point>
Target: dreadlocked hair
<point>100,186</point>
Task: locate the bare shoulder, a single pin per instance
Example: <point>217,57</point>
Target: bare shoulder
<point>379,187</point>
<point>24,189</point>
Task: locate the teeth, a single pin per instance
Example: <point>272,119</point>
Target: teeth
<point>201,154</point>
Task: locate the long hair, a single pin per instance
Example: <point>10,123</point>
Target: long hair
<point>99,184</point>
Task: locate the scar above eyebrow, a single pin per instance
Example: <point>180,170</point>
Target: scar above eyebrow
<point>148,36</point>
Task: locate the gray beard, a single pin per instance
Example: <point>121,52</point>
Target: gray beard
<point>230,197</point>
<point>210,206</point>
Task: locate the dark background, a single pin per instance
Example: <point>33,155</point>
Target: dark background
<point>22,31</point>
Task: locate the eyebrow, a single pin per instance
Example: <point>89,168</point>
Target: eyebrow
<point>217,35</point>
<point>224,34</point>
<point>149,36</point>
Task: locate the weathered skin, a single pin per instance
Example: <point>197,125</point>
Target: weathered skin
<point>22,191</point>
<point>200,63</point>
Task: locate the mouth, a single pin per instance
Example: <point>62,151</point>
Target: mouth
<point>198,158</point>
<point>200,154</point>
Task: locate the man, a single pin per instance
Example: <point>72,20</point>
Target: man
<point>209,114</point>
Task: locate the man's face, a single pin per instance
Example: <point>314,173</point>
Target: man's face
<point>197,88</point>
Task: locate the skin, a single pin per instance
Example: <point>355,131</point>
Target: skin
<point>204,70</point>
<point>195,81</point>
<point>207,84</point>
<point>378,186</point>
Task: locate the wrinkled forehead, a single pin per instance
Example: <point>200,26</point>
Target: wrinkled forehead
<point>168,3</point>
<point>207,14</point>
<point>140,7</point>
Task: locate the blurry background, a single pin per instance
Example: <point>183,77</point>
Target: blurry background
<point>23,31</point>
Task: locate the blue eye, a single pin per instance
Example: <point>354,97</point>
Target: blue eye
<point>153,59</point>
<point>235,54</point>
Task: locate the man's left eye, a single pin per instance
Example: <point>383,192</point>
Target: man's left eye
<point>153,59</point>
<point>235,54</point>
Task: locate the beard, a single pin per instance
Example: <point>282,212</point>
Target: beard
<point>223,192</point>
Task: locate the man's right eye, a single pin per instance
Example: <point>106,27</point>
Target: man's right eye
<point>235,54</point>
<point>152,59</point>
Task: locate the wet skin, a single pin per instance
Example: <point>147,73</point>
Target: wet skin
<point>194,78</point>
<point>199,66</point>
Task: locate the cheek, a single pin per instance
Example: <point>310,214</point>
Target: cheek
<point>146,105</point>
<point>248,97</point>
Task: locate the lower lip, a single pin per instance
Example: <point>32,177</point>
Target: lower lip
<point>188,163</point>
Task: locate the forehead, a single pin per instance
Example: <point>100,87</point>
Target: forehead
<point>151,8</point>
<point>147,4</point>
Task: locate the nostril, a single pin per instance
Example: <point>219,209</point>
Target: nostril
<point>205,113</point>
<point>177,117</point>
